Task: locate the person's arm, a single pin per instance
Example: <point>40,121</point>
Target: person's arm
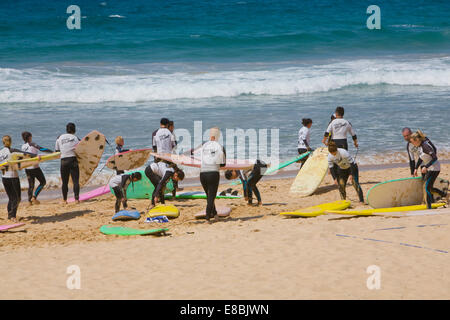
<point>353,133</point>
<point>412,161</point>
<point>224,158</point>
<point>162,183</point>
<point>333,169</point>
<point>327,134</point>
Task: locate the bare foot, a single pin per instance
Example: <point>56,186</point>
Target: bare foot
<point>64,202</point>
<point>13,220</point>
<point>35,201</point>
<point>259,203</point>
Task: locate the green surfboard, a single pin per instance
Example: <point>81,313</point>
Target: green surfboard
<point>124,231</point>
<point>143,188</point>
<point>199,195</point>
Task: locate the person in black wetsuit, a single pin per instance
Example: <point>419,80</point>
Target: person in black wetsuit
<point>249,179</point>
<point>66,144</point>
<point>35,173</point>
<point>159,174</point>
<point>429,165</point>
<point>10,178</point>
<point>119,185</point>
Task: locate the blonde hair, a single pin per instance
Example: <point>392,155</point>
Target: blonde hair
<point>7,141</point>
<point>418,135</point>
<point>118,139</point>
<point>215,132</point>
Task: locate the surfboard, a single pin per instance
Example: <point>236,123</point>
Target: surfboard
<point>18,161</point>
<point>126,215</point>
<point>311,174</point>
<point>370,212</point>
<point>400,192</point>
<point>92,194</point>
<point>200,195</point>
<point>169,211</point>
<point>89,152</point>
<point>143,188</point>
<point>128,160</point>
<point>318,210</point>
<point>285,164</point>
<point>5,227</point>
<point>221,212</point>
<point>124,231</point>
<point>179,159</point>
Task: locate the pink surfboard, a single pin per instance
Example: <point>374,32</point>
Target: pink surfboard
<point>5,227</point>
<point>221,212</point>
<point>231,164</point>
<point>92,194</point>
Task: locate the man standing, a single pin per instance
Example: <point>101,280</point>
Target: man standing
<point>339,128</point>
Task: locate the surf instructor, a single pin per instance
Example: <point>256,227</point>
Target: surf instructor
<point>338,129</point>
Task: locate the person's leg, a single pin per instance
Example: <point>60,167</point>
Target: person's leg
<point>119,196</point>
<point>356,185</point>
<point>16,197</point>
<point>430,177</point>
<point>42,182</point>
<point>7,184</point>
<point>75,174</point>
<point>65,173</point>
<point>213,186</point>
<point>154,179</point>
<point>30,178</point>
<point>342,181</point>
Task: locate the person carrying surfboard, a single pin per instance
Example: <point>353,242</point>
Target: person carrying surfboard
<point>342,165</point>
<point>10,178</point>
<point>66,144</point>
<point>249,179</point>
<point>119,185</point>
<point>429,165</point>
<point>119,149</point>
<point>338,129</point>
<point>213,156</point>
<point>159,174</point>
<point>304,139</point>
<point>35,173</point>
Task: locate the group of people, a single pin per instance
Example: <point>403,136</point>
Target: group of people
<point>342,166</point>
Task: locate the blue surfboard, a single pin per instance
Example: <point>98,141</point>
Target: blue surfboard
<point>126,215</point>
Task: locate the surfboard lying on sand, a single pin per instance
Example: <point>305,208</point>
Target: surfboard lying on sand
<point>318,210</point>
<point>128,160</point>
<point>311,174</point>
<point>124,215</point>
<point>221,212</point>
<point>124,231</point>
<point>169,211</point>
<point>370,212</point>
<point>18,161</point>
<point>89,152</point>
<point>285,164</point>
<point>400,192</point>
<point>231,164</point>
<point>143,188</point>
<point>5,227</point>
<point>92,194</point>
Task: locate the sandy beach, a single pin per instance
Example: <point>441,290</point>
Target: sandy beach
<point>254,254</point>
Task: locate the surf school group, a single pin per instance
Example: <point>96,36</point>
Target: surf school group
<point>80,157</point>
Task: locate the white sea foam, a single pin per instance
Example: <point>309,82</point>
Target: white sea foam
<point>39,85</point>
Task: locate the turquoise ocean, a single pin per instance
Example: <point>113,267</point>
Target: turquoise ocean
<point>235,64</point>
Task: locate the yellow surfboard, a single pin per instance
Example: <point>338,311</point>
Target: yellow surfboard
<point>311,174</point>
<point>164,210</point>
<point>318,210</point>
<point>370,212</point>
<point>18,161</point>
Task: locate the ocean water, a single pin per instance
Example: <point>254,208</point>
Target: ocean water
<point>235,64</point>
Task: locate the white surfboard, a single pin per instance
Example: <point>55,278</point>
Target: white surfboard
<point>311,174</point>
<point>400,192</point>
<point>89,152</point>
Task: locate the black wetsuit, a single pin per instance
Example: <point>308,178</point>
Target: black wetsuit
<point>249,181</point>
<point>159,178</point>
<point>119,184</point>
